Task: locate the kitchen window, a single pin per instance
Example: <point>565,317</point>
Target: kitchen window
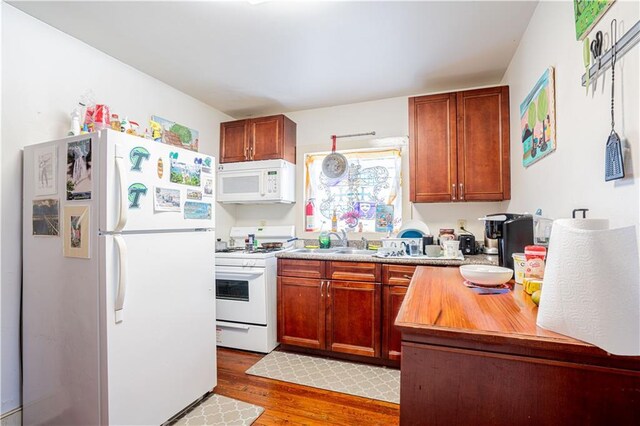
<point>367,199</point>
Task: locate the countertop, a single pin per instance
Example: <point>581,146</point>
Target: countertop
<point>439,308</point>
<point>480,259</point>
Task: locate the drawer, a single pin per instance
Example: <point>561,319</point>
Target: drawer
<point>397,274</point>
<point>353,271</point>
<point>301,268</point>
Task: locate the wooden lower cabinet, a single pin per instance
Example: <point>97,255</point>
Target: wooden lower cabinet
<point>353,317</point>
<point>392,297</point>
<point>395,280</point>
<point>340,311</point>
<point>301,312</point>
<point>346,308</point>
<point>452,386</point>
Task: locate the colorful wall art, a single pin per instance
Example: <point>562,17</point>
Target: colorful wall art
<point>176,134</point>
<point>587,13</point>
<point>538,120</point>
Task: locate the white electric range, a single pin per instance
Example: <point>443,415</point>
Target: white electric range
<point>246,287</point>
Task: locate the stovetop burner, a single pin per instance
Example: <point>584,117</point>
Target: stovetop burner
<point>230,250</point>
<point>243,250</point>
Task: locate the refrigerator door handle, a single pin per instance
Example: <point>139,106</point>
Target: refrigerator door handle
<point>124,196</point>
<point>121,289</point>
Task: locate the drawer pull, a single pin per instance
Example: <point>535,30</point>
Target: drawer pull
<point>407,276</point>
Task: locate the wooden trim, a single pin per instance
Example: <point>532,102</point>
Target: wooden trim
<point>506,146</point>
<point>412,151</point>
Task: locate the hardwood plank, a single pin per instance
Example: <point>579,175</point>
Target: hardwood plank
<point>292,404</point>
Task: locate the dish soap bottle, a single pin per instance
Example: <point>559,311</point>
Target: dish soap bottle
<point>324,241</point>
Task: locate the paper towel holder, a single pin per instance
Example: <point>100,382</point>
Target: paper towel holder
<point>583,211</point>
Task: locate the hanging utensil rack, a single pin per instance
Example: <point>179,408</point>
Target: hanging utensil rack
<point>624,44</point>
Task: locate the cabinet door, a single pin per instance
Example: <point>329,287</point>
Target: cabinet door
<point>392,297</point>
<point>266,135</point>
<point>353,317</point>
<point>301,312</point>
<point>234,141</point>
<point>483,144</point>
<point>397,274</point>
<point>432,148</point>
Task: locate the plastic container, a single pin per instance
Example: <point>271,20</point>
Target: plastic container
<point>534,256</point>
<point>519,266</point>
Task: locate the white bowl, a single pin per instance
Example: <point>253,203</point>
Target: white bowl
<point>486,274</point>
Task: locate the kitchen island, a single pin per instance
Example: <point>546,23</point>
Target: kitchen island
<point>481,359</point>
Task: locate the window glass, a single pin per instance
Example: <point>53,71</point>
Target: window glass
<point>367,199</point>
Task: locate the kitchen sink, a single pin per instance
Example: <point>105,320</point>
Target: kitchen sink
<point>335,251</point>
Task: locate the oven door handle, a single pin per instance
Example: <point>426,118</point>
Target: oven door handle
<point>239,271</point>
<point>233,326</point>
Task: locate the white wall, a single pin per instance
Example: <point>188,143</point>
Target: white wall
<point>44,72</point>
<point>573,176</point>
<point>388,118</point>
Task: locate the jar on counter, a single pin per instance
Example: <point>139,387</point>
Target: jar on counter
<point>534,257</point>
<point>446,234</point>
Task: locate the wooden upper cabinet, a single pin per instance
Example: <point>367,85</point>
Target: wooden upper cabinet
<point>264,138</point>
<point>459,146</point>
<point>483,144</point>
<point>234,141</point>
<point>432,147</point>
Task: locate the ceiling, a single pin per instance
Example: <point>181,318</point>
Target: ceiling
<point>255,58</point>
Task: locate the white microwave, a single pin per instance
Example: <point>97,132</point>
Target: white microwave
<point>257,182</point>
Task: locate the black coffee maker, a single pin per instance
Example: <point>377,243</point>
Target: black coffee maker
<point>513,232</point>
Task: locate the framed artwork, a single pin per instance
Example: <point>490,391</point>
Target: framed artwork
<point>587,13</point>
<point>79,170</point>
<point>45,217</point>
<point>175,134</point>
<point>538,120</point>
<point>77,235</point>
<point>46,168</point>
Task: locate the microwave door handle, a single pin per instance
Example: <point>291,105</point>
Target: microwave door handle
<point>263,177</point>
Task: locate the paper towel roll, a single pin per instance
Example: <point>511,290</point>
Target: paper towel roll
<point>591,288</point>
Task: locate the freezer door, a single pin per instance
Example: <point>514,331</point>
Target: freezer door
<point>160,356</point>
<point>162,186</point>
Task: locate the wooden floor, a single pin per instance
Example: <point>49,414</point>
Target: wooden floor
<point>288,403</point>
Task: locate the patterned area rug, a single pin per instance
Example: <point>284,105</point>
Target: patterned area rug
<point>339,376</point>
<point>220,410</point>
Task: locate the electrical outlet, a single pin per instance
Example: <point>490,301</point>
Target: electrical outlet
<point>462,223</point>
<point>262,223</point>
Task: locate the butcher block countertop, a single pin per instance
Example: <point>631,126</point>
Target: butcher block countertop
<point>470,359</point>
<point>438,307</point>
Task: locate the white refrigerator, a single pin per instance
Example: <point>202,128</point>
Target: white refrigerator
<point>118,310</point>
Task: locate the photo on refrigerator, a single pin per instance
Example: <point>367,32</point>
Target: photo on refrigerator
<point>79,170</point>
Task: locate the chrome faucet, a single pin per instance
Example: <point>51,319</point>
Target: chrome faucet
<point>341,239</point>
<point>365,243</point>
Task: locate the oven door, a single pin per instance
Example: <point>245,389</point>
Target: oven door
<point>241,295</point>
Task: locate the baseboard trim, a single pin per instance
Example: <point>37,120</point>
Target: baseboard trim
<point>12,418</point>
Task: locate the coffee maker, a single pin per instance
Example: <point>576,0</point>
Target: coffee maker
<point>512,231</point>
